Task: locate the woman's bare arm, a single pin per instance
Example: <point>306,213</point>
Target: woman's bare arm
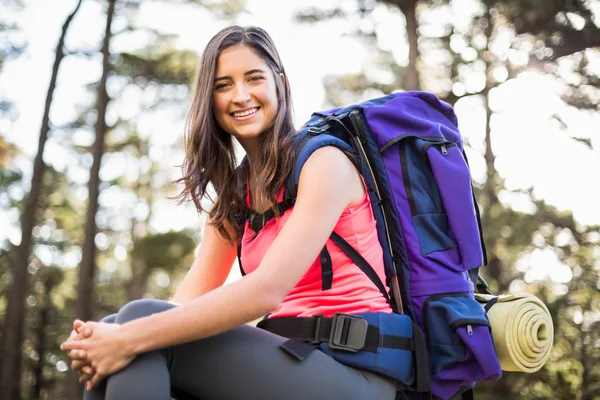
<point>328,184</point>
<point>210,268</point>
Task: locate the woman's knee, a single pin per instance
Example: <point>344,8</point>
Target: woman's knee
<point>109,319</point>
<point>142,308</point>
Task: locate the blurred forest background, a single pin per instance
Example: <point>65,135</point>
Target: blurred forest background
<point>84,229</point>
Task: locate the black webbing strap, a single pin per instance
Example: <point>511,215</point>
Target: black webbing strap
<point>490,304</point>
<point>361,263</point>
<point>258,221</point>
<point>298,350</point>
<point>468,395</point>
<point>422,374</point>
<point>481,286</point>
<point>239,255</point>
<point>478,213</point>
<point>318,329</point>
<point>326,269</point>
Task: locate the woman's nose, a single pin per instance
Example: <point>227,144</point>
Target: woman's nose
<point>241,95</point>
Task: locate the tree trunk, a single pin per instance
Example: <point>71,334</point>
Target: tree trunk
<point>136,287</point>
<point>85,290</point>
<point>41,345</point>
<point>411,79</point>
<point>87,269</point>
<point>12,338</point>
<point>495,267</point>
<point>490,159</point>
<point>586,381</point>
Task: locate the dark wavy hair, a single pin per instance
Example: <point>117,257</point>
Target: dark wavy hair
<point>210,151</point>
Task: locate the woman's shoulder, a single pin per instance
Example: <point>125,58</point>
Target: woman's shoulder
<point>330,166</point>
<point>329,160</point>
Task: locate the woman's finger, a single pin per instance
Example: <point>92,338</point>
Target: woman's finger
<point>77,365</point>
<point>72,345</point>
<point>77,355</point>
<point>88,371</point>
<point>78,324</point>
<point>96,379</point>
<point>73,334</point>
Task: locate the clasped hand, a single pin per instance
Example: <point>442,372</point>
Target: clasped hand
<point>97,350</point>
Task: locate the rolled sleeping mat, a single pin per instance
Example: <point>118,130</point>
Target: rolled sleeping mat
<point>522,330</point>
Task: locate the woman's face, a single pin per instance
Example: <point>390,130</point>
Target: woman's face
<point>245,94</point>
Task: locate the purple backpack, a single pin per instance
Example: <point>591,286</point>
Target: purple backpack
<point>411,155</point>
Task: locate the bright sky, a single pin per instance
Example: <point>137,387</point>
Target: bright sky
<point>531,149</point>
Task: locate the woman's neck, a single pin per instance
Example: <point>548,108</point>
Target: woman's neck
<point>251,147</point>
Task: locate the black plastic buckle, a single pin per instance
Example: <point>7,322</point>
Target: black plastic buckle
<point>313,131</point>
<point>251,220</point>
<point>348,332</point>
<point>256,222</point>
<point>481,285</point>
<point>315,339</point>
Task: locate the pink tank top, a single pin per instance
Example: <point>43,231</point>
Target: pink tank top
<point>351,292</point>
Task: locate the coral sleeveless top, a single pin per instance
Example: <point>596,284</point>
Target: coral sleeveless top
<point>351,291</point>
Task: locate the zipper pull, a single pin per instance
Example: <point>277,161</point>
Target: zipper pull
<point>469,330</point>
<point>444,151</point>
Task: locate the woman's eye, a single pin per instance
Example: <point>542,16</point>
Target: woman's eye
<point>220,86</point>
<point>256,78</point>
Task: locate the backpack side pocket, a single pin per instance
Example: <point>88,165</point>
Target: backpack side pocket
<point>459,342</point>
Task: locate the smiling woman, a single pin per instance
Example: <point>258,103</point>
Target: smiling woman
<point>199,344</point>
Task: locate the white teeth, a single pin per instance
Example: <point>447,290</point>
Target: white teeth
<point>245,113</point>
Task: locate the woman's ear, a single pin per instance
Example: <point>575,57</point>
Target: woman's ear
<point>282,76</point>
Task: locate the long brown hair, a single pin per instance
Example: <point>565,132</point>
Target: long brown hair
<point>209,150</point>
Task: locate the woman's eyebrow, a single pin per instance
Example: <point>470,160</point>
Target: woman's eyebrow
<point>252,71</point>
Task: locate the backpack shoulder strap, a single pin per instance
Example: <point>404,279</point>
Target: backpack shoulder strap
<point>309,141</point>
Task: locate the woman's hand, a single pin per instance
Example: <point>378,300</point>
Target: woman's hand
<point>105,350</point>
<point>78,363</point>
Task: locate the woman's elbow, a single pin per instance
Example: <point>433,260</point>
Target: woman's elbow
<point>270,292</point>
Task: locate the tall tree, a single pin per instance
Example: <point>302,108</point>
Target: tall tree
<point>409,76</point>
<point>13,336</point>
<point>87,269</point>
<point>51,277</point>
<point>411,79</point>
<point>85,289</point>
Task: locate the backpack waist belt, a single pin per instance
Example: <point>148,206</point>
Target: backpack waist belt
<point>341,332</point>
<point>389,344</point>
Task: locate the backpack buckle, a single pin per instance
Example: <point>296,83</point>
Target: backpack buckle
<point>257,222</point>
<point>348,332</point>
<point>313,131</point>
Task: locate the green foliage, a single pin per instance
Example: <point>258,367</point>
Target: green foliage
<point>163,250</point>
<point>159,66</point>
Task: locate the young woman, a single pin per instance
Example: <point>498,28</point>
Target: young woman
<point>198,344</point>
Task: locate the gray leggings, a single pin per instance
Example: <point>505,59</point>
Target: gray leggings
<point>242,363</point>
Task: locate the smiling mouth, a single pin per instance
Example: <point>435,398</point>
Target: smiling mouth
<point>246,113</point>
